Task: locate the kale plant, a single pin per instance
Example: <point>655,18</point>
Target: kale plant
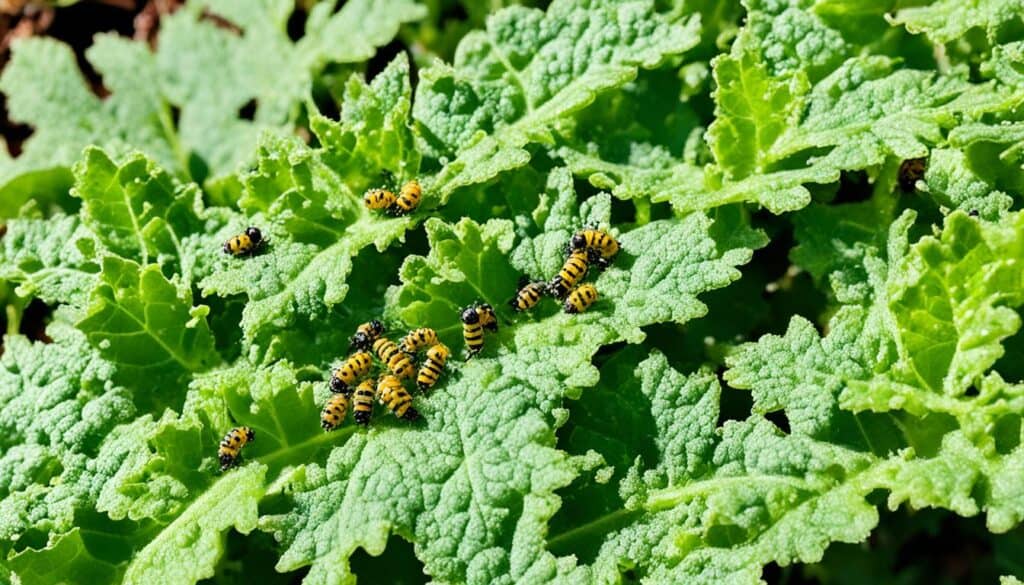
<point>806,343</point>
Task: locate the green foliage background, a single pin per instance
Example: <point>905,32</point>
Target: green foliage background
<point>789,349</point>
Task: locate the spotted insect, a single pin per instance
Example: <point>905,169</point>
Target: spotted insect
<point>393,395</point>
<point>600,246</point>
<point>379,199</point>
<point>911,171</point>
<point>362,401</point>
<point>580,298</point>
<point>417,339</point>
<point>334,411</point>
<point>433,367</point>
<point>397,361</point>
<point>528,295</point>
<point>230,450</point>
<point>245,244</point>
<point>366,334</point>
<point>573,271</point>
<point>356,366</point>
<point>409,197</point>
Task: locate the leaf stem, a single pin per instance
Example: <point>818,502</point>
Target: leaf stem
<point>312,441</point>
<point>600,525</point>
<point>167,124</point>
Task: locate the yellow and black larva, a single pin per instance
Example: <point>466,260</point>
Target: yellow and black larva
<point>600,246</point>
<point>417,339</point>
<point>572,271</point>
<point>433,367</point>
<point>230,449</point>
<point>472,331</point>
<point>527,295</point>
<point>362,401</point>
<point>408,198</point>
<point>245,244</point>
<point>393,395</point>
<point>397,361</point>
<point>580,298</point>
<point>366,334</point>
<point>334,411</point>
<point>356,366</point>
<point>379,199</point>
<point>475,318</point>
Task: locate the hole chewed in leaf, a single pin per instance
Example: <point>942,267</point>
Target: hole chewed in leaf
<point>735,404</point>
<point>854,187</point>
<point>623,212</point>
<point>779,419</point>
<point>397,564</point>
<point>14,134</point>
<point>34,320</point>
<point>297,22</point>
<point>248,110</point>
